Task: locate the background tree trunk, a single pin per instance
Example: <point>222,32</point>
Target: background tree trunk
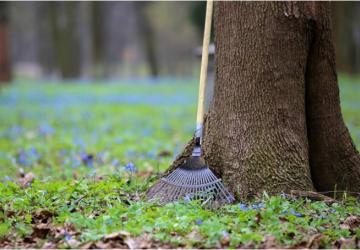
<point>334,161</point>
<point>147,35</point>
<point>63,16</point>
<point>347,35</point>
<point>5,71</point>
<point>275,122</point>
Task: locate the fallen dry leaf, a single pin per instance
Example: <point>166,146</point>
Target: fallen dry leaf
<point>351,223</point>
<point>117,235</point>
<point>346,243</point>
<point>40,231</point>
<point>131,243</point>
<point>314,241</point>
<point>88,245</point>
<point>42,216</point>
<point>269,242</point>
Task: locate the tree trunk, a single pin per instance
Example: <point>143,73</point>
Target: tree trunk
<point>347,35</point>
<point>147,35</point>
<point>5,74</point>
<point>334,161</point>
<point>65,40</point>
<point>275,123</point>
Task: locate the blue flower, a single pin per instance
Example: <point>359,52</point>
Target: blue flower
<point>79,142</point>
<point>293,212</point>
<point>33,154</point>
<point>22,158</point>
<point>261,205</point>
<point>257,206</point>
<point>225,234</point>
<point>68,237</point>
<point>76,162</point>
<point>130,167</point>
<point>87,159</point>
<point>45,129</point>
<point>199,221</point>
<point>115,162</point>
<point>243,207</point>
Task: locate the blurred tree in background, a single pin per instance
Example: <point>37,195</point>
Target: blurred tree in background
<point>346,23</point>
<point>102,39</point>
<point>87,40</point>
<point>5,73</point>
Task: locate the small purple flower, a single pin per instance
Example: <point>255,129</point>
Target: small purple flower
<point>257,206</point>
<point>87,159</point>
<point>45,129</point>
<point>75,162</point>
<point>33,154</point>
<point>293,212</point>
<point>68,237</point>
<point>130,167</point>
<point>115,162</point>
<point>79,142</point>
<point>243,207</point>
<point>225,234</point>
<point>22,158</point>
<point>199,221</point>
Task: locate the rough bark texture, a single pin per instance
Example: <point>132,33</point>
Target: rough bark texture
<point>257,135</point>
<point>275,123</point>
<point>334,161</point>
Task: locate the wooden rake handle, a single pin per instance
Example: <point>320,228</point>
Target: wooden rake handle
<point>203,69</point>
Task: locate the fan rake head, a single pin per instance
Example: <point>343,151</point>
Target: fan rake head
<point>193,180</point>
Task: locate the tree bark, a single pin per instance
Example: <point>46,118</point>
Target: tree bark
<point>334,160</point>
<point>275,123</point>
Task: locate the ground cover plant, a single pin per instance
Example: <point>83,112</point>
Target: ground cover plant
<point>76,159</point>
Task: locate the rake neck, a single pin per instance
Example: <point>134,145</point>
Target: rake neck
<point>197,148</point>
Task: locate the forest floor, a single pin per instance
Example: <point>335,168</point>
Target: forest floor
<point>76,159</point>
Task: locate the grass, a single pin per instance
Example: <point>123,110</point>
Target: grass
<point>92,151</point>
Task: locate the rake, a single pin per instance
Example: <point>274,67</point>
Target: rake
<point>193,180</point>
